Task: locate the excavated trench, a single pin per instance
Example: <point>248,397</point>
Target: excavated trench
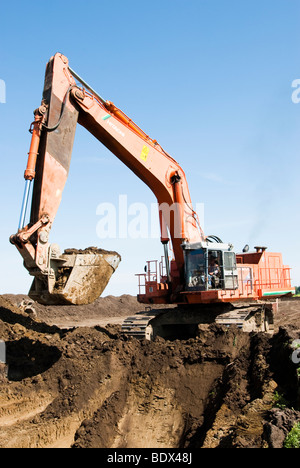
<point>91,387</point>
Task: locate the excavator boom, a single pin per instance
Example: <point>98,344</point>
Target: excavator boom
<point>73,277</point>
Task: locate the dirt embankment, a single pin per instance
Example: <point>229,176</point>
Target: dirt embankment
<point>104,310</point>
<point>91,387</point>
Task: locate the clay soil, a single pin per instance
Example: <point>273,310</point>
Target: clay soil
<point>73,381</point>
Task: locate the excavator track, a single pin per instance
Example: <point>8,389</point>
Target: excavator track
<point>139,326</point>
<point>183,323</point>
<point>256,319</point>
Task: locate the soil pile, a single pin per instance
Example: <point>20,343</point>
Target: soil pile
<point>103,310</point>
<point>92,387</point>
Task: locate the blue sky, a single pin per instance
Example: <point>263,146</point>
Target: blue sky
<point>211,80</point>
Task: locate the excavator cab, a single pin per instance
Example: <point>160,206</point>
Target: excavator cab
<point>210,266</point>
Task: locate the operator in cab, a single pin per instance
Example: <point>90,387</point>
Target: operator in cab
<point>214,272</point>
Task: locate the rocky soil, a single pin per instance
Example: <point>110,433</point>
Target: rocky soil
<point>74,381</point>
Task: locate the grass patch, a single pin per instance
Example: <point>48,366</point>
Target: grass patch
<point>279,401</point>
<point>293,438</point>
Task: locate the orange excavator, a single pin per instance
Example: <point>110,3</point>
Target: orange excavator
<point>204,279</point>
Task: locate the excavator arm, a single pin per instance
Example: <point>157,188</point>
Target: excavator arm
<point>81,277</point>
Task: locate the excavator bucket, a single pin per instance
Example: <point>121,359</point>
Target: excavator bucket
<point>79,277</point>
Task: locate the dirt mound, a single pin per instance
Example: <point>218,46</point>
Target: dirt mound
<point>103,310</point>
<point>90,250</point>
<point>91,387</point>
